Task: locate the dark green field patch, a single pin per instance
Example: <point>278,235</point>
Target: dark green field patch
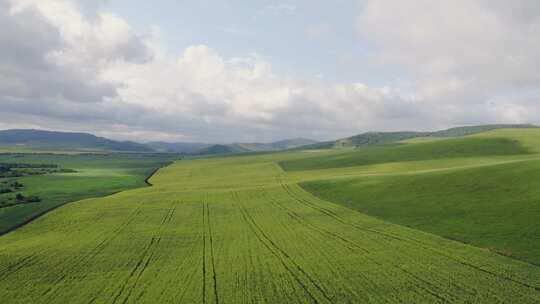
<point>496,207</point>
<point>96,175</point>
<point>459,147</point>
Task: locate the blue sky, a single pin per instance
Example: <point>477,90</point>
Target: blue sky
<point>245,71</point>
<point>310,38</point>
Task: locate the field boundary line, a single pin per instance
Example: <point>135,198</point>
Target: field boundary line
<point>45,212</point>
<point>411,172</point>
<point>147,179</point>
<point>366,252</point>
<point>408,240</point>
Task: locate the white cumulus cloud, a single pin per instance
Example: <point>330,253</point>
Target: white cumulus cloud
<point>67,68</point>
<point>464,55</point>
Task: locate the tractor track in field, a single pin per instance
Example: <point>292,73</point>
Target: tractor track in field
<point>204,256</point>
<point>80,262</point>
<point>347,243</point>
<point>335,216</point>
<point>181,294</point>
<point>24,262</point>
<point>190,275</point>
<point>207,226</point>
<point>353,245</point>
<point>13,268</point>
<point>281,255</point>
<point>277,255</point>
<point>434,291</point>
<point>325,232</point>
<point>166,220</point>
<point>84,260</point>
<point>145,259</point>
<point>138,270</point>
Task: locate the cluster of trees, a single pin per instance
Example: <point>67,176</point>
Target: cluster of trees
<point>27,199</point>
<point>11,187</point>
<point>20,169</point>
<point>11,170</point>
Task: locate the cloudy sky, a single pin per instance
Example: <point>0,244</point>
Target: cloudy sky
<point>239,70</point>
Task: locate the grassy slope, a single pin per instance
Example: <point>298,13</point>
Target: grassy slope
<point>496,207</point>
<point>239,230</point>
<point>98,175</point>
<point>385,138</point>
<point>452,148</point>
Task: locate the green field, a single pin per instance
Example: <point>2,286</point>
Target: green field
<point>495,207</point>
<point>429,150</point>
<point>242,230</point>
<point>97,175</point>
<point>492,204</point>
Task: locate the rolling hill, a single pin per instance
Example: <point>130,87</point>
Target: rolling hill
<point>431,150</point>
<point>179,147</point>
<point>53,140</point>
<point>485,195</point>
<point>383,138</point>
<point>254,147</point>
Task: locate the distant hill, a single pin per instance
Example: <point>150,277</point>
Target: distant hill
<point>70,141</point>
<point>464,131</point>
<point>180,147</point>
<point>383,138</point>
<point>254,147</point>
<point>292,143</point>
<point>52,140</point>
<point>220,149</point>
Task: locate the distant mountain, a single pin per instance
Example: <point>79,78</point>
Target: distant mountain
<point>52,140</point>
<point>254,147</point>
<point>292,143</point>
<point>383,138</point>
<point>220,149</point>
<point>181,147</point>
<point>64,141</point>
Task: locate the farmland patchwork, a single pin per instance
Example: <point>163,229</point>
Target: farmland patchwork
<point>240,230</point>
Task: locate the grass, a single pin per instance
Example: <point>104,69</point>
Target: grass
<point>490,202</point>
<point>241,230</point>
<point>97,175</point>
<point>496,207</point>
<point>451,148</point>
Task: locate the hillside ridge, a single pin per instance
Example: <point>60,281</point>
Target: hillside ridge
<point>58,140</point>
<point>377,138</point>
